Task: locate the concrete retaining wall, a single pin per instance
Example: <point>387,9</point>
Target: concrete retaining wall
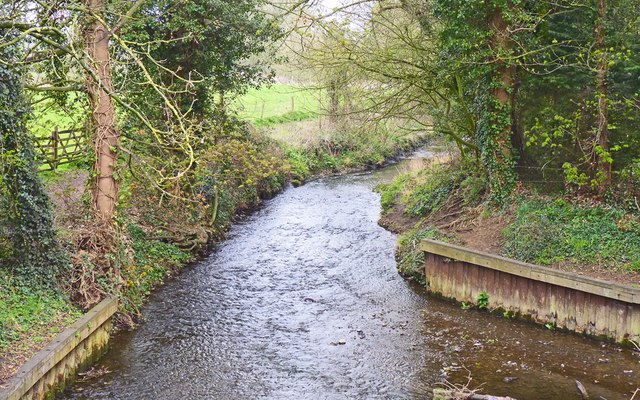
<point>76,348</point>
<point>543,295</point>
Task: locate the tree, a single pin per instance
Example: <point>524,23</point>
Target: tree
<point>215,44</point>
<point>47,31</point>
<point>25,211</point>
<point>106,135</point>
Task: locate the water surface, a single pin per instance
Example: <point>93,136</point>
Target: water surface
<point>303,302</point>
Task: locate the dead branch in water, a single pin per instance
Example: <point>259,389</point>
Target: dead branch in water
<point>452,391</point>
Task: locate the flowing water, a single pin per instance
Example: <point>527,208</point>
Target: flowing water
<point>303,302</point>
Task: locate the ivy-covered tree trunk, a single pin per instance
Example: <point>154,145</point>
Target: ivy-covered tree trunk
<point>603,158</point>
<point>501,174</point>
<point>99,87</point>
<point>25,211</point>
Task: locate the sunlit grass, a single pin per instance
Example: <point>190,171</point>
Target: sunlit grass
<point>278,104</point>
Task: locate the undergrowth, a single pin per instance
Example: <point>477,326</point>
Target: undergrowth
<point>545,230</point>
<point>30,312</point>
<point>408,254</point>
<point>548,231</point>
<point>346,150</point>
<point>421,195</point>
<point>153,262</point>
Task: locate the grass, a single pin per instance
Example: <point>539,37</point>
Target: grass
<point>293,116</point>
<point>549,231</point>
<point>424,192</point>
<point>48,114</point>
<point>29,317</point>
<point>278,104</point>
<point>60,174</point>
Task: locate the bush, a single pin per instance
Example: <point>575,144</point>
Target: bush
<point>436,184</point>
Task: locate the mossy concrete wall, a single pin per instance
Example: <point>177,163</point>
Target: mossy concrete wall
<point>543,295</point>
<point>75,349</point>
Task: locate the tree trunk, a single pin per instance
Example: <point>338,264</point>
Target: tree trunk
<point>334,101</point>
<point>221,102</point>
<point>517,132</point>
<point>503,93</point>
<point>602,130</point>
<point>99,86</point>
<point>498,151</point>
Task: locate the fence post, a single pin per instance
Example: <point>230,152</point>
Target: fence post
<point>55,137</point>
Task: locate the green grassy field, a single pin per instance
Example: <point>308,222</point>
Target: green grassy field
<point>278,104</point>
<point>47,115</point>
<point>266,106</point>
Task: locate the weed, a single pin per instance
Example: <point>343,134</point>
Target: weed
<point>551,231</point>
<point>28,311</point>
<point>483,300</point>
<point>408,254</point>
<point>390,192</point>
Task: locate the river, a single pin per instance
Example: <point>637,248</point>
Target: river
<point>303,302</point>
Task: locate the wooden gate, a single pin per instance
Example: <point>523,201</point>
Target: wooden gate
<point>62,147</point>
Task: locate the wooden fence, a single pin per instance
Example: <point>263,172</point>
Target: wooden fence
<point>62,147</point>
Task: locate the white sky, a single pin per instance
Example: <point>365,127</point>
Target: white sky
<point>330,3</point>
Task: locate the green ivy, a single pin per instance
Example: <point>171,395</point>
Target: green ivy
<point>28,242</point>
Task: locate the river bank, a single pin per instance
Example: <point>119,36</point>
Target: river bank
<point>580,234</point>
<point>303,301</point>
<point>157,238</point>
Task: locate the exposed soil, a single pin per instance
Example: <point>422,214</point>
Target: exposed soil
<point>470,228</point>
<point>396,221</point>
<point>485,233</point>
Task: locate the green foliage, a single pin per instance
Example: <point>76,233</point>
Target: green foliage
<point>474,56</point>
<point>437,185</point>
<point>423,193</point>
<point>241,171</point>
<point>27,240</point>
<point>552,231</point>
<point>483,300</point>
<point>300,168</point>
<point>153,261</point>
<point>27,310</point>
<point>346,150</point>
<point>216,43</point>
<point>408,254</point>
<point>391,192</point>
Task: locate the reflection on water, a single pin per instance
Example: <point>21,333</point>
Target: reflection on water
<point>303,302</point>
